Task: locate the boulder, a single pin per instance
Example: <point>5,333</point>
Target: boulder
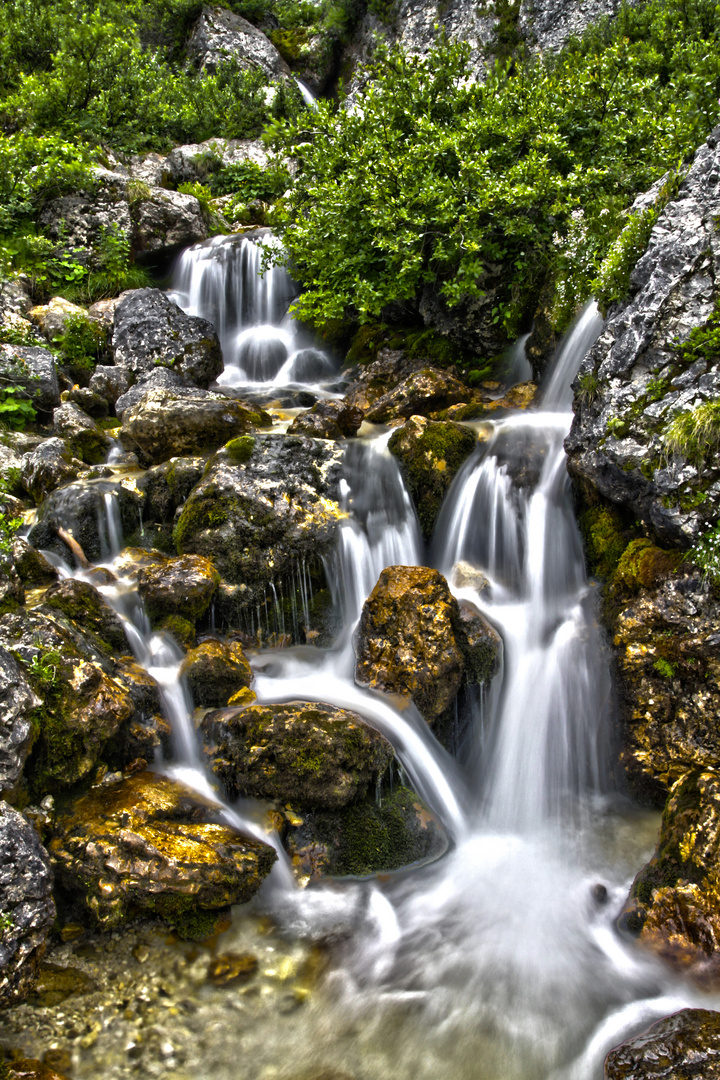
<point>180,585</point>
<point>221,35</point>
<point>12,593</point>
<point>165,424</point>
<point>49,466</point>
<point>166,221</point>
<point>150,331</point>
<point>160,378</point>
<point>685,1045</point>
<point>151,844</point>
<point>110,383</point>
<point>33,369</point>
<point>17,701</point>
<point>167,486</point>
<point>425,391</point>
<point>413,639</point>
<point>82,510</point>
<point>103,311</point>
<point>674,905</point>
<point>194,161</point>
<point>430,455</point>
<point>214,671</point>
<point>92,404</point>
<point>306,753</point>
<point>50,318</point>
<point>79,219</point>
<point>82,603</point>
<point>377,379</point>
<point>84,438</point>
<point>328,420</point>
<point>26,903</point>
<point>15,297</point>
<point>32,567</point>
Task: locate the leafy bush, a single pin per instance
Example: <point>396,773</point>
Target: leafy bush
<point>83,341</point>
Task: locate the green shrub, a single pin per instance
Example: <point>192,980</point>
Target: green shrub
<point>83,341</point>
<point>695,433</point>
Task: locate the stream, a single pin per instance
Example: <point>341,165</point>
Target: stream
<point>501,959</point>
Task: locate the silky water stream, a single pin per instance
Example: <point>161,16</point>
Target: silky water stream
<point>500,960</point>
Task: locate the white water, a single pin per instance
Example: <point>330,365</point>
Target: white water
<point>499,961</point>
<point>263,346</point>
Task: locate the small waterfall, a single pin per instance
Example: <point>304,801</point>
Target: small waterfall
<point>582,335</point>
<point>307,94</point>
<point>222,280</point>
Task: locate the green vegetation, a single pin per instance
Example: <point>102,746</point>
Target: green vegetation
<point>9,524</point>
<point>695,433</point>
<point>666,669</point>
<point>706,554</point>
<point>438,182</point>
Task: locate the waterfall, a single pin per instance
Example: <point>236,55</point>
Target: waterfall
<point>582,335</point>
<point>222,280</point>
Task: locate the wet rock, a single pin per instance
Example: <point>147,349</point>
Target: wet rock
<point>686,1044</point>
<point>82,603</point>
<point>164,425</point>
<point>381,376</point>
<point>26,903</point>
<point>366,837</point>
<point>31,1069</point>
<point>328,420</point>
<point>50,318</point>
<point>413,639</point>
<point>32,567</point>
<point>49,466</point>
<point>33,369</point>
<point>152,844</point>
<point>636,378</point>
<point>674,905</point>
<point>17,700</point>
<point>167,486</point>
<point>84,438</point>
<point>110,383</point>
<point>12,593</point>
<point>221,35</point>
<point>216,670</point>
<point>261,521</point>
<point>229,969</point>
<point>430,455</point>
<point>55,984</point>
<point>306,753</point>
<point>151,331</point>
<point>159,379</point>
<point>426,391</point>
<point>174,585</point>
<point>81,509</point>
<point>486,403</point>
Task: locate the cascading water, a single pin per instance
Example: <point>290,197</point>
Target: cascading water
<point>221,280</point>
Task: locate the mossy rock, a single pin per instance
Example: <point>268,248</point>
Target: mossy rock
<point>214,671</point>
<point>84,605</point>
<point>239,450</point>
<point>367,837</point>
<point>643,565</point>
<point>182,630</point>
<point>430,455</point>
<point>605,535</point>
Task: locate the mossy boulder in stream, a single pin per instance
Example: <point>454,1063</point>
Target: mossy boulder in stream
<point>81,509</point>
<point>684,1046</point>
<point>414,639</point>
<point>674,905</point>
<point>172,585</point>
<point>426,391</point>
<point>150,844</point>
<point>306,753</point>
<point>430,455</point>
<point>82,435</point>
<point>216,670</point>
<point>82,603</point>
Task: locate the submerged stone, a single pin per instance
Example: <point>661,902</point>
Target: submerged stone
<point>151,844</point>
<point>685,1045</point>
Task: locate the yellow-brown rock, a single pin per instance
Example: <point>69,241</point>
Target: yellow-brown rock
<point>413,640</point>
<point>174,585</point>
<point>149,843</point>
<point>215,671</point>
<point>30,1069</point>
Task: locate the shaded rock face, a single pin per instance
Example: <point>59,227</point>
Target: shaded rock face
<point>32,368</point>
<point>430,455</point>
<point>151,331</point>
<point>221,35</point>
<point>214,671</point>
<point>309,754</point>
<point>81,510</point>
<point>84,438</point>
<point>110,383</point>
<point>635,379</point>
<point>425,391</point>
<point>183,585</point>
<point>32,567</point>
<point>82,603</point>
<point>674,905</point>
<point>328,420</point>
<point>685,1045</point>
<point>164,424</point>
<point>16,729</point>
<point>150,844</point>
<point>166,487</point>
<point>412,639</point>
<point>26,902</point>
<point>47,467</point>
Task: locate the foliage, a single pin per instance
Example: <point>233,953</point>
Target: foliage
<point>82,341</point>
<point>44,668</point>
<point>694,433</point>
<point>16,408</point>
<point>588,385</point>
<point>9,524</point>
<point>34,169</point>
<point>703,342</point>
<point>248,181</point>
<point>706,553</point>
<point>437,181</point>
<point>114,271</point>
<point>666,669</point>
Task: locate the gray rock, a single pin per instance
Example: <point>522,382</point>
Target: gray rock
<point>110,382</point>
<point>636,375</point>
<point>165,423</point>
<point>159,379</point>
<point>26,903</point>
<point>220,35</point>
<point>151,331</point>
<point>81,433</point>
<point>547,24</point>
<point>194,161</point>
<point>81,509</point>
<point>16,730</point>
<point>167,220</point>
<point>31,565</point>
<point>47,467</point>
<point>78,220</point>
<point>14,298</point>
<point>686,1044</point>
<point>33,369</point>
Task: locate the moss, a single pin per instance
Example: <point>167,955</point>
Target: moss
<point>240,449</point>
<point>289,42</point>
<point>198,514</point>
<point>605,538</point>
<point>194,924</point>
<point>430,457</point>
<point>642,565</point>
<point>181,629</point>
<point>90,446</point>
<point>109,423</point>
<point>366,343</point>
<point>429,345</point>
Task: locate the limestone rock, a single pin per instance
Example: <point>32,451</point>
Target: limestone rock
<point>165,424</point>
<point>26,902</point>
<point>79,219</point>
<point>174,585</point>
<point>110,382</point>
<point>49,466</point>
<point>221,35</point>
<point>16,730</point>
<point>328,420</point>
<point>92,404</point>
<point>15,297</point>
<point>412,640</point>
<point>189,163</point>
<point>81,509</point>
<point>152,844</point>
<point>635,380</point>
<point>425,391</point>
<point>377,379</point>
<point>168,220</point>
<point>686,1044</point>
<point>150,331</point>
<point>430,455</point>
<point>216,670</point>
<point>33,369</point>
<point>306,753</point>
<point>51,317</point>
<point>84,438</point>
<point>160,378</point>
<point>82,603</point>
